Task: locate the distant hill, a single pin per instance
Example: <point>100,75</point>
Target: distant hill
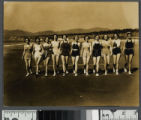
<point>71,31</point>
<point>17,35</point>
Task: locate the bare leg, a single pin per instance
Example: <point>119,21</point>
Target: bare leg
<point>37,64</point>
<point>84,63</point>
<point>57,62</point>
<point>97,65</point>
<point>94,64</point>
<point>76,65</point>
<point>117,63</point>
<point>114,63</point>
<point>126,63</point>
<point>87,65</point>
<point>26,65</point>
<point>54,64</point>
<point>29,63</point>
<point>46,65</point>
<point>73,63</point>
<point>105,64</point>
<point>63,64</point>
<point>130,62</point>
<point>66,65</point>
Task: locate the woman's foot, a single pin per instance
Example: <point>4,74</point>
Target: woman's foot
<point>93,70</point>
<point>97,74</point>
<point>76,74</point>
<point>37,73</point>
<point>67,72</point>
<point>27,74</point>
<point>63,74</point>
<point>87,73</point>
<point>114,70</point>
<point>74,71</point>
<point>129,73</point>
<point>54,74</point>
<point>125,70</point>
<point>84,71</point>
<point>117,72</point>
<point>105,72</point>
<point>45,74</point>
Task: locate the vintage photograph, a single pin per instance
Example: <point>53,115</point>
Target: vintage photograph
<point>42,115</point>
<point>71,53</point>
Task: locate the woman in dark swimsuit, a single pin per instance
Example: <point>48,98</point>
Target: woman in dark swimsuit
<point>65,51</point>
<point>75,54</point>
<point>129,52</point>
<point>96,53</point>
<point>47,53</point>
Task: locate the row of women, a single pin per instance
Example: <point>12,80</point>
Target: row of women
<point>43,51</point>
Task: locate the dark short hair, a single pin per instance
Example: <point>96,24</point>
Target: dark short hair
<point>107,37</point>
<point>26,38</point>
<point>96,36</point>
<point>37,38</point>
<point>85,37</point>
<point>129,33</point>
<point>116,34</point>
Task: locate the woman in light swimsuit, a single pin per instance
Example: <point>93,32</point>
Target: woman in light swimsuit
<point>47,53</point>
<point>129,52</point>
<point>116,53</point>
<point>27,56</point>
<point>86,53</point>
<point>96,53</point>
<point>75,53</point>
<point>65,52</point>
<point>56,54</point>
<point>106,52</point>
<point>38,52</point>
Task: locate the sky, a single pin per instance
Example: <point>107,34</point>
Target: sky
<point>58,16</point>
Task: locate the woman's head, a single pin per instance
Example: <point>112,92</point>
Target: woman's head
<point>97,37</point>
<point>55,37</point>
<point>86,38</point>
<point>37,40</point>
<point>105,37</point>
<point>129,34</point>
<point>115,36</point>
<point>64,37</point>
<point>27,40</point>
<point>46,39</point>
<point>76,38</point>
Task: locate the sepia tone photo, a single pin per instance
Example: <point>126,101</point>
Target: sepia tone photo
<point>71,53</point>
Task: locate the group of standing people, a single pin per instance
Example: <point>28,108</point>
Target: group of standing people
<point>44,51</point>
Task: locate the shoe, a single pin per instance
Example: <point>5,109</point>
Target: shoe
<point>74,71</point>
<point>84,71</point>
<point>114,70</point>
<point>93,70</point>
<point>27,74</point>
<point>46,74</point>
<point>76,74</point>
<point>105,72</point>
<point>54,74</point>
<point>63,74</point>
<point>129,73</point>
<point>37,73</point>
<point>97,74</point>
<point>67,72</point>
<point>125,70</point>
